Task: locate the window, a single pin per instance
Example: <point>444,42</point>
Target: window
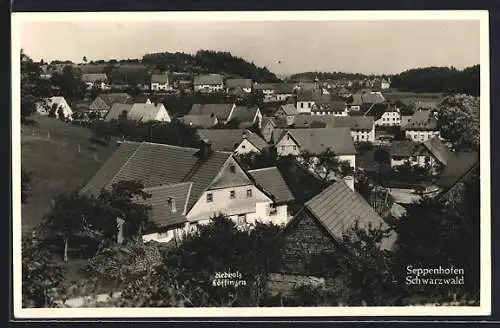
<point>243,146</point>
<point>242,219</point>
<point>287,137</point>
<point>362,137</point>
<point>282,148</point>
<point>294,147</point>
<point>210,198</point>
<point>249,193</point>
<point>301,105</point>
<point>232,168</point>
<point>272,209</point>
<point>232,194</point>
<point>309,105</point>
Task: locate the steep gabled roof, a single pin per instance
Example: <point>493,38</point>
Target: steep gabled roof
<point>116,110</point>
<point>208,79</point>
<point>337,208</point>
<point>438,149</point>
<point>283,88</point>
<point>222,111</point>
<point>145,112</point>
<point>317,140</point>
<point>159,165</point>
<point>270,179</point>
<point>377,110</point>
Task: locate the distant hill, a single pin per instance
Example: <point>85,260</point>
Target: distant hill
<point>310,76</point>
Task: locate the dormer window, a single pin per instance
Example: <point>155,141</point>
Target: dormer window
<point>171,204</point>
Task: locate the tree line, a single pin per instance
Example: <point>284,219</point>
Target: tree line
<point>439,79</point>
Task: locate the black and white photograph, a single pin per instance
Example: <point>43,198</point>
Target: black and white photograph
<point>208,164</point>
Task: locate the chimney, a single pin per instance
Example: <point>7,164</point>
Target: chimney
<point>205,148</point>
<point>349,181</point>
<point>171,204</point>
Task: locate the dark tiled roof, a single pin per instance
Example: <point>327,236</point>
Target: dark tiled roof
<point>270,179</point>
<point>283,88</point>
<point>338,208</point>
<point>317,140</point>
<point>421,120</point>
<point>459,164</point>
<point>161,214</point>
<point>222,111</point>
<point>402,148</point>
<point>159,78</point>
<point>244,114</point>
<point>242,83</point>
<point>94,77</point>
<point>116,110</point>
<point>353,122</point>
<point>377,110</point>
<point>158,165</point>
<point>208,79</point>
<point>437,148</point>
<point>226,140</point>
<point>113,98</point>
<point>203,121</point>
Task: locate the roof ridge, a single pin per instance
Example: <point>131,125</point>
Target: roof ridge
<point>168,185</point>
<point>263,168</point>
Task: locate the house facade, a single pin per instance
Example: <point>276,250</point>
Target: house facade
<point>287,112</point>
<point>210,83</point>
<point>96,80</point>
<point>160,82</point>
<point>389,118</point>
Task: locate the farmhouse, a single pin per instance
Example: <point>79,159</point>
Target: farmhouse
<point>330,105</point>
<point>188,187</point>
<point>323,220</point>
<point>104,102</point>
<point>149,112</point>
<point>246,116</point>
<point>244,84</point>
<point>239,141</point>
<point>160,82</point>
<point>96,80</point>
<point>208,83</point>
<point>421,126</point>
<point>317,140</point>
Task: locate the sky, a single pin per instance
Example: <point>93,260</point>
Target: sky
<point>284,47</point>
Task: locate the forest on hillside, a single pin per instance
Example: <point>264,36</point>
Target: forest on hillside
<point>208,61</point>
<point>322,76</point>
<point>439,79</point>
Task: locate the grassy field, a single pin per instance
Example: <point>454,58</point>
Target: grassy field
<point>61,158</point>
<point>395,95</point>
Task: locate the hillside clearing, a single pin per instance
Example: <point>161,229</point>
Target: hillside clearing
<point>61,158</point>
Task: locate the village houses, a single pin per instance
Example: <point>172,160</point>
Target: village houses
<point>103,102</point>
<point>384,114</point>
<point>247,116</point>
<point>139,112</point>
<point>188,186</point>
<point>244,84</point>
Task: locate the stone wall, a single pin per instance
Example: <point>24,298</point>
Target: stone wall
<point>303,239</point>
